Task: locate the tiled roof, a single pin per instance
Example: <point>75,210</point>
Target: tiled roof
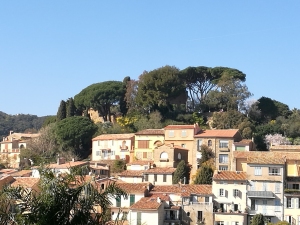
<point>140,162</point>
<point>8,171</point>
<point>267,154</point>
<point>244,142</point>
<point>230,175</point>
<point>113,137</point>
<point>27,182</point>
<point>176,127</point>
<point>151,132</point>
<point>131,173</point>
<point>184,190</point>
<point>21,173</point>
<point>265,160</point>
<point>133,187</point>
<point>160,170</point>
<point>147,203</point>
<point>228,133</point>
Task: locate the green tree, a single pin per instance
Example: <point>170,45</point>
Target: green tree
<point>181,172</point>
<point>62,200</point>
<point>118,166</point>
<point>75,133</point>
<point>62,111</point>
<point>258,219</point>
<point>123,103</point>
<point>160,88</point>
<point>48,120</point>
<point>201,80</point>
<point>204,175</point>
<point>71,109</point>
<point>206,154</point>
<point>101,97</point>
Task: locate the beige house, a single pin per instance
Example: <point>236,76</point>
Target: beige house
<point>230,202</point>
<point>222,143</point>
<point>169,155</point>
<point>146,141</point>
<point>139,165</point>
<point>291,200</point>
<point>112,146</point>
<point>183,136</point>
<point>11,146</point>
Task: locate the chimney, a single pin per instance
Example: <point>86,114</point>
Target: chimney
<point>10,132</point>
<point>184,179</point>
<point>149,165</point>
<point>58,160</point>
<point>73,159</point>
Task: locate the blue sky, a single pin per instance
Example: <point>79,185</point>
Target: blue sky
<point>51,50</point>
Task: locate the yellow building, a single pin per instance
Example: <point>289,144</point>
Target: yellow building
<point>146,141</point>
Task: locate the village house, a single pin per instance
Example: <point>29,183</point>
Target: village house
<point>113,146</point>
<point>146,141</point>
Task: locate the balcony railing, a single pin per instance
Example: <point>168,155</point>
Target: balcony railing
<point>292,191</point>
<point>260,194</point>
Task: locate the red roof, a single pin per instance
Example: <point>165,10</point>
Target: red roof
<point>230,175</point>
<point>176,127</point>
<point>151,132</point>
<point>228,133</point>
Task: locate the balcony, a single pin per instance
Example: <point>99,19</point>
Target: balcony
<point>260,194</point>
<point>292,192</point>
<point>224,149</point>
<point>268,210</point>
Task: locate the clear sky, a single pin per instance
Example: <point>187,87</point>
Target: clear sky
<point>51,50</point>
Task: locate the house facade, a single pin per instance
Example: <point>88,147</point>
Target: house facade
<point>112,146</point>
<point>146,141</point>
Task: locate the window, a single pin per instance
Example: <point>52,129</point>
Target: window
<point>289,219</point>
<point>223,158</point>
<point>199,143</point>
<point>183,133</point>
<point>143,144</point>
<point>257,171</point>
<point>146,176</point>
<point>235,207</point>
<point>277,205</point>
<point>206,199</point>
<point>118,201</point>
<point>145,155</point>
<point>220,222</point>
<point>253,205</point>
<point>132,199</point>
<point>99,143</point>
<point>164,177</point>
<point>223,167</point>
<point>264,187</point>
<point>98,153</point>
<point>209,143</point>
<point>289,203</point>
<point>171,133</point>
<point>164,156</point>
<point>155,177</point>
<point>236,193</point>
<point>222,192</point>
<point>199,217</point>
<point>223,144</point>
<point>295,186</point>
<point>274,171</point>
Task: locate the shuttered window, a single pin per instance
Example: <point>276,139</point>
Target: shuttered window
<point>143,144</point>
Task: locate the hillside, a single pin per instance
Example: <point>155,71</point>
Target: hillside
<point>19,123</point>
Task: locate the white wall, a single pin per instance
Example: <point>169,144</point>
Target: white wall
<point>160,179</point>
<point>153,217</point>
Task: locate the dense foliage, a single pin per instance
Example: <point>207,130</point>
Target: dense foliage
<point>63,200</point>
<point>181,173</point>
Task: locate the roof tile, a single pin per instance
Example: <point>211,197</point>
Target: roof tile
<point>228,133</point>
<point>230,175</point>
<point>151,132</point>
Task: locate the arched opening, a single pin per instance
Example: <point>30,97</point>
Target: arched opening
<point>209,143</point>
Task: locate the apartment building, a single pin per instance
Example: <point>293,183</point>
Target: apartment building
<point>230,202</point>
<point>113,146</point>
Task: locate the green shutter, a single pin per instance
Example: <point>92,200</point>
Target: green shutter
<point>118,202</point>
<point>132,199</point>
<point>139,218</point>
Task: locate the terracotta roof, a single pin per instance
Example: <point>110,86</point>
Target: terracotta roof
<point>230,175</point>
<point>21,173</point>
<point>98,167</point>
<point>140,162</point>
<point>8,171</point>
<point>131,173</point>
<point>268,154</point>
<point>133,187</point>
<point>65,165</point>
<point>27,182</point>
<point>228,133</point>
<point>160,170</point>
<point>147,203</point>
<point>151,132</point>
<point>113,137</point>
<point>244,142</point>
<point>265,160</point>
<point>176,127</point>
<point>184,190</point>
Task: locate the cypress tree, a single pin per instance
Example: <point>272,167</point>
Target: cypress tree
<point>71,109</point>
<point>180,172</point>
<point>123,103</point>
<point>61,113</point>
<point>204,175</point>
